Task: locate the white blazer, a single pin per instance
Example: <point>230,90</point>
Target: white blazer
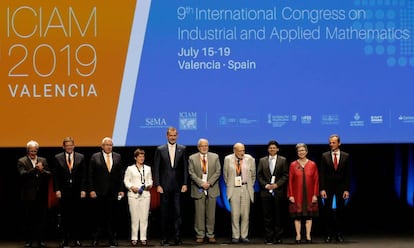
<point>136,178</point>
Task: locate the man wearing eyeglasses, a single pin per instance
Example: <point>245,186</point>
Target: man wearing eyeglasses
<point>239,173</point>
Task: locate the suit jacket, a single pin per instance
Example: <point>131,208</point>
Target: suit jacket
<point>335,182</point>
<point>34,184</point>
<point>196,174</point>
<point>229,173</point>
<point>170,178</point>
<point>70,181</point>
<point>103,182</point>
<point>280,172</point>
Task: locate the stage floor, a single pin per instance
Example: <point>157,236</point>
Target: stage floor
<point>380,241</point>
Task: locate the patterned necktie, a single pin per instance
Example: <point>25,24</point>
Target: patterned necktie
<point>69,162</point>
<point>204,164</point>
<point>335,162</point>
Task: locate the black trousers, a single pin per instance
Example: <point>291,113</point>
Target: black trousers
<point>170,214</point>
<point>272,219</point>
<point>71,208</point>
<point>333,218</point>
<point>34,219</point>
<point>105,218</point>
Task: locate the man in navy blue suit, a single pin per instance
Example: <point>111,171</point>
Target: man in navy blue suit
<point>170,175</point>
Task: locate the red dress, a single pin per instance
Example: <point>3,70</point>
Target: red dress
<point>303,185</point>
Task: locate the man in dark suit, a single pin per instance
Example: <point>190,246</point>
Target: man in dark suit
<point>106,186</point>
<point>335,184</point>
<point>204,169</point>
<point>69,174</point>
<point>272,173</point>
<point>34,177</point>
<point>170,175</point>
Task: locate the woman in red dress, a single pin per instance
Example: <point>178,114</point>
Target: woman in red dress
<point>303,192</point>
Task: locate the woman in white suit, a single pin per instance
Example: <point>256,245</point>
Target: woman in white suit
<point>138,180</point>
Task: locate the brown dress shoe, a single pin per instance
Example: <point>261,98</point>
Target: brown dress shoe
<point>212,240</point>
<point>199,240</point>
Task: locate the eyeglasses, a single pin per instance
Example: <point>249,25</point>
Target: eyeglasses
<point>33,151</point>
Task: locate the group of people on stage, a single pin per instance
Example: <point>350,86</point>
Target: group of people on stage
<point>310,190</point>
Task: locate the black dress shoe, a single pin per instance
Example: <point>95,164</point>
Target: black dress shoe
<point>113,243</point>
<point>41,244</point>
<point>268,242</point>
<point>298,241</point>
<point>339,238</point>
<point>245,240</point>
<point>28,244</point>
<point>164,242</point>
<point>277,241</point>
<point>94,243</point>
<point>308,241</point>
<point>178,242</point>
<point>63,243</point>
<point>328,239</point>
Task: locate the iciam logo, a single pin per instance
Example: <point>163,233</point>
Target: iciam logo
<point>188,120</point>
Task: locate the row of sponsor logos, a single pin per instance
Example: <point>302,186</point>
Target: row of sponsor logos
<point>190,120</point>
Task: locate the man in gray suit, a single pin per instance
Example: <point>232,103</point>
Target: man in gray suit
<point>239,174</point>
<point>204,169</point>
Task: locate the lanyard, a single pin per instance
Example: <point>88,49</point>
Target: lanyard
<point>142,174</point>
<point>238,166</point>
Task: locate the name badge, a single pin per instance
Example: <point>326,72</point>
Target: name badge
<point>238,181</point>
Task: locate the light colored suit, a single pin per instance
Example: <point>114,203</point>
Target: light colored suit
<point>139,204</point>
<point>205,201</point>
<point>240,197</point>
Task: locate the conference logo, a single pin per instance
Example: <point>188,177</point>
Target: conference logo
<point>330,119</point>
<point>306,119</point>
<point>155,122</point>
<point>356,122</point>
<point>188,120</point>
<point>406,118</point>
<point>377,119</point>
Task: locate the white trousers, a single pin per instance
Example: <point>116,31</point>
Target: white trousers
<point>139,210</point>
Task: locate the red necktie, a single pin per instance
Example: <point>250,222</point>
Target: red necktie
<point>335,161</point>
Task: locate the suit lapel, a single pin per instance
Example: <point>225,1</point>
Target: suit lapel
<point>209,165</point>
<point>166,153</point>
<point>65,164</point>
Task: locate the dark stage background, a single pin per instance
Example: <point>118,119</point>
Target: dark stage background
<point>380,199</point>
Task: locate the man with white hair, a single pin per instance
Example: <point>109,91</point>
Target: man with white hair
<point>106,186</point>
<point>204,169</point>
<point>239,173</point>
<point>34,177</point>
